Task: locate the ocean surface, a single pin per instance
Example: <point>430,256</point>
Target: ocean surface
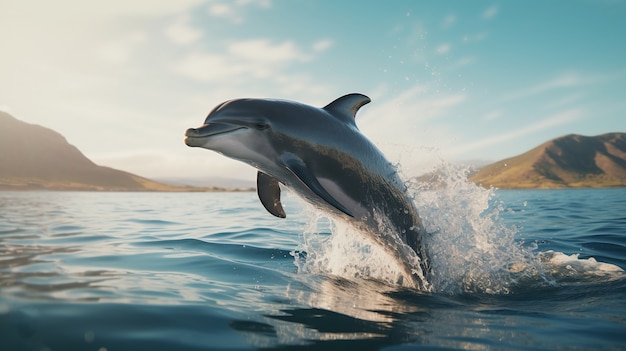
<point>513,270</point>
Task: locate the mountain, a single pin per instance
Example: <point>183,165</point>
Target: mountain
<point>35,157</point>
<point>568,161</point>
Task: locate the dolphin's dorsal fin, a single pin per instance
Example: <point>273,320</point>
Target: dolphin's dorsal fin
<point>304,174</point>
<point>269,193</point>
<point>347,106</point>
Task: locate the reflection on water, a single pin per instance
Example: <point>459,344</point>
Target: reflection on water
<point>187,272</point>
<point>337,314</point>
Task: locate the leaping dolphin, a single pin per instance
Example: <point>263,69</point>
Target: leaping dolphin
<point>322,156</point>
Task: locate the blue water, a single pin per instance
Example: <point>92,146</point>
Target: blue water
<point>514,270</point>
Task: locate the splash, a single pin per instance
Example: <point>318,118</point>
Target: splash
<point>471,249</point>
<point>345,253</point>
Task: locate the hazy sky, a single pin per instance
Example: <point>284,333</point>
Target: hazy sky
<point>456,80</point>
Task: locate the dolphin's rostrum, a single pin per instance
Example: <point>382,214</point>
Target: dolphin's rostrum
<point>321,155</point>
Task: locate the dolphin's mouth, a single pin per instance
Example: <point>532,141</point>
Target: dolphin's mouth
<point>199,136</point>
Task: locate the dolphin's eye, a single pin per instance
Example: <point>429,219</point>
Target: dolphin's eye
<point>261,125</point>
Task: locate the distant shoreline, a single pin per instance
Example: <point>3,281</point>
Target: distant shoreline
<point>87,188</point>
<point>192,189</point>
<point>562,188</point>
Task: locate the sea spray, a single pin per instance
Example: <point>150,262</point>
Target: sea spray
<point>471,249</point>
<point>346,253</point>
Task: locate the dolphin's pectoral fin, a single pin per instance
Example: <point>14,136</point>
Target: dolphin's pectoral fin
<point>269,193</point>
<point>300,170</point>
<point>347,106</point>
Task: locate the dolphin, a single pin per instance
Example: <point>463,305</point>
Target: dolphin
<point>320,154</point>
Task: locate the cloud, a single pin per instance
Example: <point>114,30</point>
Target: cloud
<point>449,21</point>
<point>54,15</point>
<point>543,124</point>
<point>567,100</point>
<point>462,62</point>
<point>569,80</point>
<point>322,45</point>
<point>180,32</point>
<point>492,115</point>
<point>227,11</point>
<point>221,10</point>
<point>490,12</point>
<point>257,58</point>
<point>212,67</point>
<point>120,51</point>
<point>262,50</point>
<point>233,10</point>
<point>301,84</point>
<point>474,38</point>
<point>409,125</point>
<point>411,109</point>
<point>65,35</point>
<point>443,48</point>
<point>418,103</point>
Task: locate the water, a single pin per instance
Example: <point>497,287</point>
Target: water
<point>514,270</point>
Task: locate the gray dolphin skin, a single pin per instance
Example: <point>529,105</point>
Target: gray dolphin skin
<point>320,154</point>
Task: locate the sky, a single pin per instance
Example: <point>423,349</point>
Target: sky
<point>450,81</point>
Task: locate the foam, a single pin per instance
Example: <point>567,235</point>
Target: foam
<point>566,266</point>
